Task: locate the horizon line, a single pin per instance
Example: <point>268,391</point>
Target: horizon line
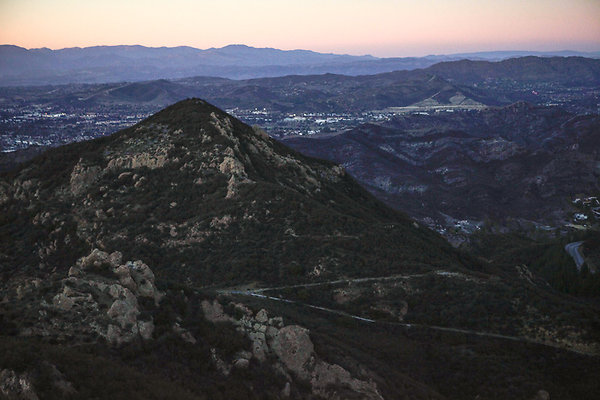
<point>510,50</point>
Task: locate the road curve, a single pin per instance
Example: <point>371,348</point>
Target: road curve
<point>255,293</point>
<point>573,250</point>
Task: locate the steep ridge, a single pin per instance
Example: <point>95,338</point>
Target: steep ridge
<point>159,92</point>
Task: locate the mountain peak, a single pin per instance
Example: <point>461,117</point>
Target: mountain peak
<point>237,46</point>
<point>192,110</point>
<point>194,187</point>
<point>194,125</point>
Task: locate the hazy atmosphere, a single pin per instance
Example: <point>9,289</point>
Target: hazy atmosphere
<point>300,200</point>
<point>380,27</point>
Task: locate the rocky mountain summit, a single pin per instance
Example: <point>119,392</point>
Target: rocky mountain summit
<point>203,200</point>
<point>193,187</point>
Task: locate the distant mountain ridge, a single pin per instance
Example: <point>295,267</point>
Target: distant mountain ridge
<point>515,162</point>
<point>504,54</point>
<point>550,70</point>
<point>101,64</point>
<point>476,81</point>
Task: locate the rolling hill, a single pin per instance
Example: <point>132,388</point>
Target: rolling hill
<point>519,162</point>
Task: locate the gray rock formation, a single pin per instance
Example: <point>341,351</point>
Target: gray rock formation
<point>214,311</point>
<point>541,395</point>
<point>15,386</point>
<point>100,298</point>
<point>293,347</point>
<point>293,351</point>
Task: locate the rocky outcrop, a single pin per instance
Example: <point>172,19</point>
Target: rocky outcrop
<point>221,365</point>
<point>14,386</point>
<point>293,351</point>
<point>5,193</point>
<point>22,386</point>
<point>260,329</point>
<point>100,297</point>
<point>232,167</point>
<point>293,347</point>
<point>82,177</point>
<point>151,161</point>
<point>541,395</point>
<point>213,311</point>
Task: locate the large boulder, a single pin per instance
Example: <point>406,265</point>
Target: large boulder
<point>143,277</point>
<point>541,395</point>
<point>326,377</point>
<point>214,311</point>
<point>98,258</point>
<point>293,347</point>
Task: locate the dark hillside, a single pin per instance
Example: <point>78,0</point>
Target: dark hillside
<point>194,188</point>
<point>137,266</point>
<point>521,162</point>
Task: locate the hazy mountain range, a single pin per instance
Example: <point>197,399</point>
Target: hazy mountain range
<point>186,254</point>
<point>99,64</point>
<point>445,83</point>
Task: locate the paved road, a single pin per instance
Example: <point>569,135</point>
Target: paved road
<point>251,289</point>
<point>329,310</point>
<point>259,294</point>
<point>573,250</point>
<point>325,283</point>
<point>356,317</point>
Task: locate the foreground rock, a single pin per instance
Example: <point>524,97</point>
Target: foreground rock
<point>294,354</point>
<point>100,297</point>
<point>15,386</point>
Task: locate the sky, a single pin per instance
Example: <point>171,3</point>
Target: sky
<point>379,27</point>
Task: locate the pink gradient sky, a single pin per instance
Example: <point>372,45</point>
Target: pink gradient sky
<point>377,27</point>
